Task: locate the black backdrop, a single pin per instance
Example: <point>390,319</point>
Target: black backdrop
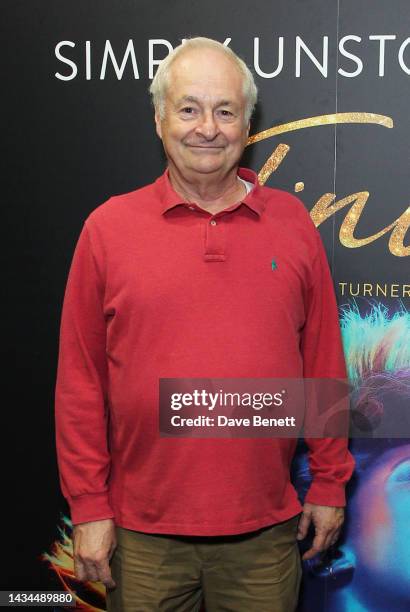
<point>70,144</point>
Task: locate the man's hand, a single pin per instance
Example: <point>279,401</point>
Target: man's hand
<point>94,544</point>
<point>327,520</point>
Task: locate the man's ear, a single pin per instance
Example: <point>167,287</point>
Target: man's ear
<point>158,124</point>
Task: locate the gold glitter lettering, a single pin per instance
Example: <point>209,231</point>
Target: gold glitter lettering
<point>273,162</point>
<point>333,119</point>
<point>396,242</point>
<point>324,208</point>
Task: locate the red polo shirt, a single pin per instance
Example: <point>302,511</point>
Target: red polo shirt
<point>159,288</point>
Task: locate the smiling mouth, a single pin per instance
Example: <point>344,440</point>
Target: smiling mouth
<point>204,147</point>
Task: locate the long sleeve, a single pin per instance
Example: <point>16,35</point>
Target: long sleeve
<point>81,390</point>
<point>331,463</point>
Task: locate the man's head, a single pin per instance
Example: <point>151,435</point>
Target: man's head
<point>203,96</point>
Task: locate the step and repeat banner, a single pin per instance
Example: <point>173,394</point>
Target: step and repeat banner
<point>332,125</point>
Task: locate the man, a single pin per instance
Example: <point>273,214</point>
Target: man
<point>176,280</point>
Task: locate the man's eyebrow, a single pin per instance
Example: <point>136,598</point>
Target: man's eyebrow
<point>225,103</point>
<point>195,100</point>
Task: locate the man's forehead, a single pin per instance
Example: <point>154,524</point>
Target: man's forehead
<point>200,56</point>
<point>195,68</point>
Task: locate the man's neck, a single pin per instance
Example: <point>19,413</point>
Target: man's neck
<point>210,193</point>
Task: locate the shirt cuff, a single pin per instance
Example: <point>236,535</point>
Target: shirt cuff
<point>90,507</point>
<point>325,493</point>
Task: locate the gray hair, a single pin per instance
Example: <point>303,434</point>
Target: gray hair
<point>161,79</point>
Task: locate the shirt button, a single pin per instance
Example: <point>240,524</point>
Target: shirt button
<point>213,222</point>
<point>191,207</point>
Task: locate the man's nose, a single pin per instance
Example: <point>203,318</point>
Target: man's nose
<point>207,126</point>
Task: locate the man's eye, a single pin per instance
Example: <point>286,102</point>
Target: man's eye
<point>225,113</point>
<point>188,110</point>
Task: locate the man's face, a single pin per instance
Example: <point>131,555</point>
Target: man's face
<point>203,131</point>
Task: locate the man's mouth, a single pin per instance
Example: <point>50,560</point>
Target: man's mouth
<point>202,146</point>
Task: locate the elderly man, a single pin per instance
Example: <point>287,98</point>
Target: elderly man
<point>204,273</point>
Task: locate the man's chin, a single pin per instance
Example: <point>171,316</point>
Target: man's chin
<point>206,168</point>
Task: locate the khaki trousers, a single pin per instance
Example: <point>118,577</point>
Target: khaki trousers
<point>258,571</point>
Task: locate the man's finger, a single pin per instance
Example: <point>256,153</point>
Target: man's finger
<point>303,526</point>
<point>91,571</point>
<point>94,572</point>
<point>79,569</point>
<point>309,554</point>
<point>104,574</point>
<point>332,538</point>
<point>318,545</point>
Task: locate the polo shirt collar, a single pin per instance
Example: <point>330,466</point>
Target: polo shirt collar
<point>170,198</point>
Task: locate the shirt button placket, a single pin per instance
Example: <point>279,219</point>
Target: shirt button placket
<point>215,240</point>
